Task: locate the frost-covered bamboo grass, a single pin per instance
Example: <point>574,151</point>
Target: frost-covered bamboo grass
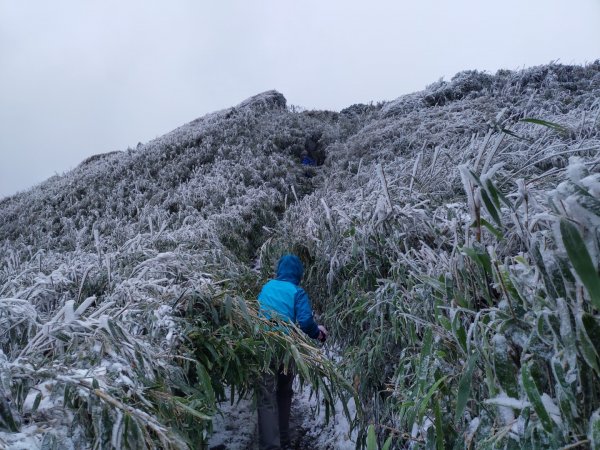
<point>457,295</point>
<point>467,310</point>
<point>144,363</point>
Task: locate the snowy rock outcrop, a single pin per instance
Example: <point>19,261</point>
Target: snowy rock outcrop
<point>265,101</point>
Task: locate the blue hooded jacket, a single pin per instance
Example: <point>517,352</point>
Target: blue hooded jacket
<point>282,297</point>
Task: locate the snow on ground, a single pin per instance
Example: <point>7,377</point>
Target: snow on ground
<point>236,427</point>
<point>27,439</point>
<point>34,437</point>
<point>334,435</point>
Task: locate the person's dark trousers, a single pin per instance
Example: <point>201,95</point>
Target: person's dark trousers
<point>284,403</point>
<point>274,401</point>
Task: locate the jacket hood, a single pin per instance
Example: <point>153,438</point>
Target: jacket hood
<point>290,268</point>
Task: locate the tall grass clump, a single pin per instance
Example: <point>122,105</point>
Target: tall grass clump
<point>460,281</point>
<point>491,335</point>
<point>144,360</point>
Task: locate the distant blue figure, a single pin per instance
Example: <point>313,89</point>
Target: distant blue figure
<point>307,161</point>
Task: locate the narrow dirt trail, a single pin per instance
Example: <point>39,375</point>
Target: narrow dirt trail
<point>301,439</point>
<point>237,428</point>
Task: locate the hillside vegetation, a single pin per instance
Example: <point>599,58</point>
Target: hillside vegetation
<point>451,244</point>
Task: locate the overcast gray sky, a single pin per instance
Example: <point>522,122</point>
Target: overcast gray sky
<point>81,77</point>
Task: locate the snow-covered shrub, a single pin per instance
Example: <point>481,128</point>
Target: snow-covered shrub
<point>437,254</point>
<point>442,245</point>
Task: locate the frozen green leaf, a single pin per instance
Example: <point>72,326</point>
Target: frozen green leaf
<point>535,398</point>
<point>581,260</point>
<point>464,389</point>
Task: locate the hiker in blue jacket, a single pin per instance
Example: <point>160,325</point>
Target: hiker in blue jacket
<point>284,299</point>
<point>308,162</point>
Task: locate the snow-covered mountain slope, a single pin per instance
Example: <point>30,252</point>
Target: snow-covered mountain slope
<point>454,253</point>
<point>432,252</point>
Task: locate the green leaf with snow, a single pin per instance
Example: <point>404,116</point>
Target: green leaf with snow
<point>36,402</point>
<point>371,438</point>
<point>581,260</point>
<point>479,256</point>
<point>422,406</point>
<point>464,389</point>
<point>506,372</point>
<point>495,231</point>
<point>491,207</point>
<point>388,443</point>
<point>592,329</point>
<point>7,421</point>
<point>586,346</point>
<point>552,125</point>
<point>439,426</point>
<point>535,398</point>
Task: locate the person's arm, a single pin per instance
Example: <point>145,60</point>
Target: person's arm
<point>304,315</point>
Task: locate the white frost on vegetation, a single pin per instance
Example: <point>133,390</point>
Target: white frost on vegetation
<point>505,401</point>
<point>93,262</point>
<point>472,429</point>
<point>552,409</point>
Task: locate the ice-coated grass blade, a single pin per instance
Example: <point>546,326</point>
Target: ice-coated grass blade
<point>586,346</point>
<point>425,400</point>
<point>535,398</point>
<point>7,421</point>
<point>554,126</point>
<point>464,389</point>
<point>371,438</point>
<point>581,260</point>
<point>491,207</point>
<point>592,329</point>
<point>388,443</point>
<point>439,427</point>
